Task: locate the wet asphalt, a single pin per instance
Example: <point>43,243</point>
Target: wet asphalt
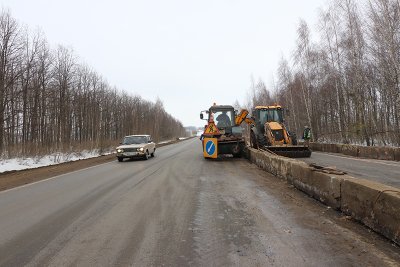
<point>178,209</point>
<point>382,171</point>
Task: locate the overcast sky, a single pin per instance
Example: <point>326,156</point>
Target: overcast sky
<point>188,53</point>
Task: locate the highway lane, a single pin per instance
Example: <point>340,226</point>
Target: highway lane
<point>382,171</point>
<point>178,209</point>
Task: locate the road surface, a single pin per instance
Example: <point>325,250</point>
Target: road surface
<point>382,171</point>
<point>178,209</point>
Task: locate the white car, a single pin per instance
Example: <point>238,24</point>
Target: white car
<point>134,146</point>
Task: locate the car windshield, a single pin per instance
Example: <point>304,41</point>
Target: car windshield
<point>224,118</point>
<point>129,140</point>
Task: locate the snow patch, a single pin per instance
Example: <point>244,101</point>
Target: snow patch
<point>169,141</point>
<point>164,142</point>
<point>15,164</point>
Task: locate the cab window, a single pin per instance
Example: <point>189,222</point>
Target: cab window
<point>224,118</point>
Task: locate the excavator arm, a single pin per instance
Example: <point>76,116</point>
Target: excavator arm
<point>242,117</point>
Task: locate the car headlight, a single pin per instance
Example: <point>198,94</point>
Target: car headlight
<point>141,149</point>
<point>120,150</point>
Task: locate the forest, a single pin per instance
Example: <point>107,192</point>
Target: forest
<point>343,80</point>
<point>52,102</point>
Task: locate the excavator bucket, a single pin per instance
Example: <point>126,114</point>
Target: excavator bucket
<point>290,151</point>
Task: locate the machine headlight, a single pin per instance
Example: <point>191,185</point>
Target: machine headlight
<point>120,150</point>
<point>141,149</point>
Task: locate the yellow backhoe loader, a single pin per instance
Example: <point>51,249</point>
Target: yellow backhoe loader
<point>268,132</point>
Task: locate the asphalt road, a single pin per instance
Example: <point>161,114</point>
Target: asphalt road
<point>178,209</point>
<point>382,171</point>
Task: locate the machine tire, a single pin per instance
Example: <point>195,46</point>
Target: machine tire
<point>253,140</point>
<point>152,154</point>
<point>262,141</point>
<point>294,139</point>
<point>146,155</point>
<point>120,159</point>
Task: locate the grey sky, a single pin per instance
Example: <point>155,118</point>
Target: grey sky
<point>188,53</point>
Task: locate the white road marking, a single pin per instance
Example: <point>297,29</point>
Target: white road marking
<point>58,176</point>
<point>51,178</point>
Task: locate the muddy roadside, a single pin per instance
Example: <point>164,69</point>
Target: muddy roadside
<point>13,179</point>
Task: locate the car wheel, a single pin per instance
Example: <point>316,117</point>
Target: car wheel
<point>120,159</point>
<point>152,154</point>
<point>146,155</point>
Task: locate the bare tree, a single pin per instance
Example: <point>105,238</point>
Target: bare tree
<point>51,102</point>
<point>346,84</point>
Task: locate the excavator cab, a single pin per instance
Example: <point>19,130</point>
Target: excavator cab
<point>224,118</point>
<point>268,114</point>
<point>275,114</point>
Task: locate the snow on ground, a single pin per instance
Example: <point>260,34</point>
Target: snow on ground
<point>52,159</point>
<point>15,164</point>
<point>167,141</point>
<point>164,142</point>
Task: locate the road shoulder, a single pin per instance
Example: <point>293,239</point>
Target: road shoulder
<point>14,179</point>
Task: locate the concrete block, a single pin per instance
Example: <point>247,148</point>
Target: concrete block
<point>339,148</point>
<point>349,150</point>
<point>321,186</point>
<point>386,153</point>
<point>281,166</point>
<point>367,152</point>
<point>316,146</point>
<point>375,205</point>
<point>333,148</point>
<point>387,215</point>
<point>372,152</point>
<point>396,154</point>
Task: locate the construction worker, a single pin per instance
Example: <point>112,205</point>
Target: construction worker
<point>223,120</point>
<point>307,135</point>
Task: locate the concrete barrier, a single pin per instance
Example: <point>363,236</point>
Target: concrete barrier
<point>397,154</point>
<point>373,204</point>
<point>371,152</point>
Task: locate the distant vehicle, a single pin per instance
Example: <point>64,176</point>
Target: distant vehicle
<point>136,146</point>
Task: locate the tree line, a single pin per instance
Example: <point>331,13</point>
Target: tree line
<point>49,101</point>
<point>345,83</point>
